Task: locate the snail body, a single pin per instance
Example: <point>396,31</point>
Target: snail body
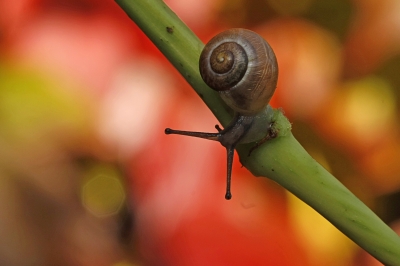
<point>242,67</point>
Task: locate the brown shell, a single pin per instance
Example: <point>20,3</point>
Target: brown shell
<point>242,67</point>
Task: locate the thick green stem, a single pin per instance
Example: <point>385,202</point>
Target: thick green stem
<point>179,45</point>
<point>283,159</point>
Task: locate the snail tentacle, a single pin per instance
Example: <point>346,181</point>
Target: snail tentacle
<point>242,67</point>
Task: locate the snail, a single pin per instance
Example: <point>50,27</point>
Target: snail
<point>242,67</point>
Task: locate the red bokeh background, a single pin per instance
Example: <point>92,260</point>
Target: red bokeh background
<point>84,94</point>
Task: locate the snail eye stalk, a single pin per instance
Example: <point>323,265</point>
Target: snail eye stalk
<point>229,137</point>
<point>215,137</point>
<point>246,88</point>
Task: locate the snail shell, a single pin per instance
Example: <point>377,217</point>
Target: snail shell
<point>242,67</point>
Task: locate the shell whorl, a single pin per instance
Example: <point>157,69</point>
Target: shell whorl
<point>242,67</point>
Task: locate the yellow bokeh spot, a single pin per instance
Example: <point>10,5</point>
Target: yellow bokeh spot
<point>368,106</point>
<point>125,263</point>
<point>103,193</point>
<point>325,244</point>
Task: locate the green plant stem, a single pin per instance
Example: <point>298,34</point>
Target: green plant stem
<point>179,45</point>
<point>283,159</point>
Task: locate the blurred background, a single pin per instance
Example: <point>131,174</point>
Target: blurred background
<point>87,176</point>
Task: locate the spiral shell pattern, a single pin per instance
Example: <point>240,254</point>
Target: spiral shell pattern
<point>242,67</point>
